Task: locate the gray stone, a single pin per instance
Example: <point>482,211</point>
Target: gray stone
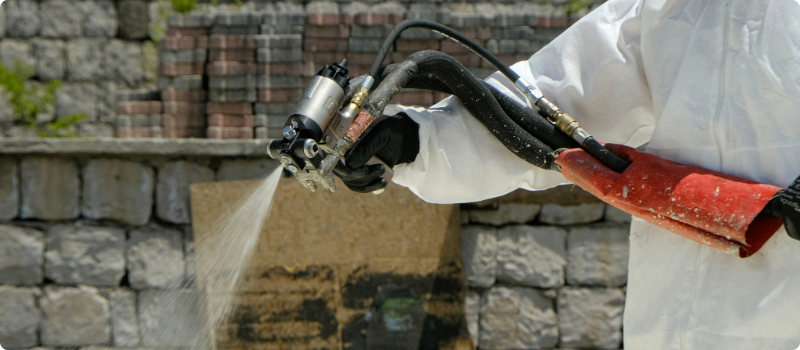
<point>50,188</point>
<point>518,33</point>
<point>380,31</point>
<point>95,130</point>
<point>19,317</point>
<point>99,18</point>
<point>124,328</point>
<point>107,101</point>
<point>51,62</point>
<point>479,255</point>
<point>124,61</point>
<point>275,109</point>
<point>506,213</point>
<point>245,81</point>
<point>13,52</point>
<point>9,189</point>
<point>172,190</point>
<point>117,190</point>
<point>169,318</point>
<point>237,95</point>
<point>61,19</point>
<point>322,7</point>
<point>185,82</point>
<point>22,18</point>
<point>6,110</point>
<point>260,133</point>
<point>155,259</point>
<point>285,13</point>
<point>133,19</point>
<point>231,149</point>
<point>21,252</point>
<point>517,318</point>
<point>615,215</point>
<point>60,327</point>
<point>77,98</point>
<point>245,169</point>
<point>281,29</point>
<point>237,19</point>
<point>598,256</point>
<point>532,255</point>
<point>427,11</point>
<point>237,30</point>
<point>472,311</point>
<point>150,61</point>
<point>590,318</point>
<point>183,56</point>
<point>364,44</point>
<point>85,59</point>
<point>192,20</point>
<point>85,255</point>
<point>279,41</point>
<point>2,21</point>
<point>279,81</point>
<point>268,55</point>
<point>572,214</point>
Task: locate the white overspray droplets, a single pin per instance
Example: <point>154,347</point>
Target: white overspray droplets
<point>219,260</point>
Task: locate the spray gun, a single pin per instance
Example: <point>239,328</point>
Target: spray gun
<point>320,130</point>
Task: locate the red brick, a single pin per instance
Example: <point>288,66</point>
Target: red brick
<point>360,58</point>
<point>450,46</point>
<point>468,59</point>
<point>187,31</point>
<point>231,68</point>
<point>415,45</point>
<point>438,96</point>
<point>282,95</point>
<point>556,22</point>
<point>309,69</point>
<point>231,120</point>
<point>184,132</point>
<point>138,107</point>
<point>123,132</point>
<point>220,132</point>
<point>337,32</point>
<point>184,108</point>
<point>292,68</point>
<point>346,18</point>
<point>318,44</point>
<point>184,42</point>
<point>219,41</point>
<point>424,99</point>
<point>229,108</point>
<point>183,121</point>
<point>323,19</point>
<point>183,95</point>
<point>157,131</point>
<point>378,18</point>
<point>174,69</point>
<point>357,69</point>
<point>323,58</point>
<point>248,55</point>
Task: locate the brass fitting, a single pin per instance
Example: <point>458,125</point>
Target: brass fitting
<point>358,99</point>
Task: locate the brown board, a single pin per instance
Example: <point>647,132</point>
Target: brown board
<point>343,270</point>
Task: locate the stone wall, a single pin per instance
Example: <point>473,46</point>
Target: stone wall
<point>111,54</point>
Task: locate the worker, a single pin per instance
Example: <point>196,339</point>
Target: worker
<point>712,84</point>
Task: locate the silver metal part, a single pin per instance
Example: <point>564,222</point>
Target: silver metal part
<point>368,81</point>
<point>320,101</point>
<point>288,132</point>
<point>531,91</point>
<point>310,148</point>
<point>580,135</point>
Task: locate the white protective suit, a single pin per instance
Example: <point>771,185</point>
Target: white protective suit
<point>714,84</point>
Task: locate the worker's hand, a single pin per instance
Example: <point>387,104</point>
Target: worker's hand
<point>786,205</point>
<point>395,140</point>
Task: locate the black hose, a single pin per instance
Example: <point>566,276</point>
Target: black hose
<point>444,30</point>
<point>392,83</point>
<point>604,155</point>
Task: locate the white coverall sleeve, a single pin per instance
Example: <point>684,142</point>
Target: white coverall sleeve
<point>592,71</point>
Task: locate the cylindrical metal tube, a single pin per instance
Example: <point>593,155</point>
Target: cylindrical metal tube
<point>316,107</point>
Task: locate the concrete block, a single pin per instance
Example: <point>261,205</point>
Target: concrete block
<point>427,11</point>
<point>514,33</point>
<point>59,308</point>
<point>532,255</point>
<point>50,188</point>
<point>19,317</point>
<point>266,55</point>
<point>22,18</point>
<point>74,98</point>
<point>186,82</point>
<point>245,169</point>
<point>125,329</point>
<point>506,213</point>
<point>517,318</point>
<point>285,13</point>
<point>183,56</point>
<point>85,255</point>
<point>282,109</point>
<point>364,44</point>
<point>590,318</point>
<point>85,59</point>
<point>60,19</point>
<point>95,130</point>
<point>279,41</point>
<point>281,29</point>
<point>479,255</point>
<point>361,31</point>
<point>169,318</point>
<point>613,214</point>
<point>133,19</point>
<point>117,190</point>
<point>16,51</point>
<point>9,188</point>
<point>2,22</point>
<point>472,311</point>
<point>573,214</point>
<point>245,81</point>
<point>172,190</point>
<point>236,95</point>
<point>155,259</point>
<point>51,59</point>
<point>598,255</point>
<point>99,18</point>
<point>124,61</point>
<point>21,256</point>
<point>192,20</point>
<point>280,82</point>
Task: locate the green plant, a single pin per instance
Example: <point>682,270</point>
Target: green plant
<point>183,6</point>
<point>30,100</point>
<point>572,7</point>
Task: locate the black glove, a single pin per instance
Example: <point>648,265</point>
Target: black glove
<point>395,140</point>
<point>786,205</point>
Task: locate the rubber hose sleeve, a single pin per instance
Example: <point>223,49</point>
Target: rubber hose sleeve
<point>389,87</point>
<point>478,99</point>
<point>605,156</point>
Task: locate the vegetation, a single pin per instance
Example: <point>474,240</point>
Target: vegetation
<point>183,6</point>
<point>30,100</point>
<point>575,6</point>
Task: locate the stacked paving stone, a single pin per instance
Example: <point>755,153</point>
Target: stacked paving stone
<point>139,114</point>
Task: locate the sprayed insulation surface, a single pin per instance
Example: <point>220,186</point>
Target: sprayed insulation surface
<point>322,260</point>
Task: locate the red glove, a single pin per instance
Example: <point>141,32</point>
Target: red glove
<point>715,209</point>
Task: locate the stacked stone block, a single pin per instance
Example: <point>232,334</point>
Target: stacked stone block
<point>139,114</point>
